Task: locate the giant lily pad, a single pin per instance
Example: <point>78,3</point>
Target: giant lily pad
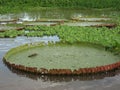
<point>62,58</point>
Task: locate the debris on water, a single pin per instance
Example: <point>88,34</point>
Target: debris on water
<point>33,55</point>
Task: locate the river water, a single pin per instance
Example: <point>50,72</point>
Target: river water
<point>51,16</point>
<point>59,14</point>
<point>15,80</point>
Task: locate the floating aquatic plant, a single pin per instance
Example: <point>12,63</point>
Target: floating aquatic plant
<point>62,58</point>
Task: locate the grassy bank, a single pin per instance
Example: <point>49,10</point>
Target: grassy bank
<point>18,5</point>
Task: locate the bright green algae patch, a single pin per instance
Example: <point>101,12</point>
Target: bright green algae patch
<point>62,56</point>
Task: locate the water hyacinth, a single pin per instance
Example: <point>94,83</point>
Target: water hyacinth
<point>104,36</point>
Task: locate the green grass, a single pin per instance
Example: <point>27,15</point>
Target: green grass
<point>21,5</point>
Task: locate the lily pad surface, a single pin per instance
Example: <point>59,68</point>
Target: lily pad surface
<point>84,23</point>
<point>2,27</point>
<point>92,19</point>
<point>40,23</point>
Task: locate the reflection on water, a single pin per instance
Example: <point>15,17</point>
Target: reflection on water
<point>26,17</point>
<point>58,14</point>
<point>7,43</point>
<point>88,17</point>
<point>65,78</point>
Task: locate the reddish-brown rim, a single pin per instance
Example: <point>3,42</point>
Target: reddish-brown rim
<point>44,71</point>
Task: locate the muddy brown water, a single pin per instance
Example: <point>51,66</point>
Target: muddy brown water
<point>11,79</point>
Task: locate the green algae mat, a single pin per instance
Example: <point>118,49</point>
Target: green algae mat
<point>61,56</point>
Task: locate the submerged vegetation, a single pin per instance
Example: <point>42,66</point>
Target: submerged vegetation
<point>15,5</point>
